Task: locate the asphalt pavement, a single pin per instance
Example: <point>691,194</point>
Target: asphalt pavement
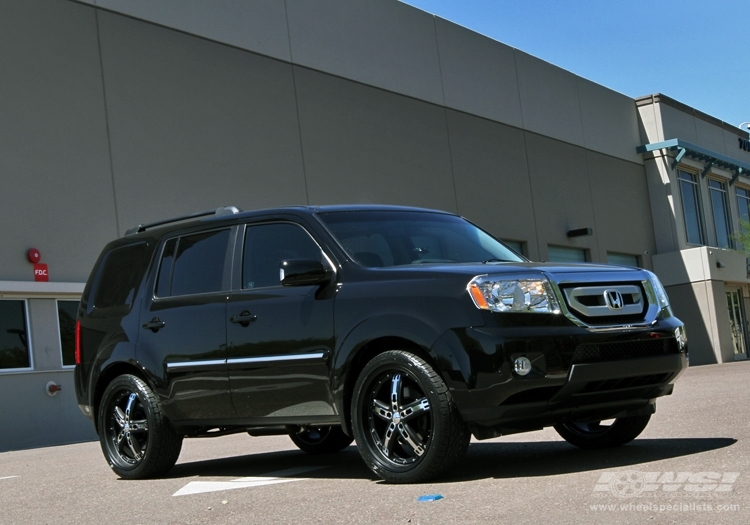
<point>691,465</point>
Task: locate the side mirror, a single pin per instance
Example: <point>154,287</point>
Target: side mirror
<point>301,272</point>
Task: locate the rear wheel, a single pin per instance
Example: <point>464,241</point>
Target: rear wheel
<point>320,440</point>
<point>135,436</point>
<point>406,425</point>
<point>597,434</point>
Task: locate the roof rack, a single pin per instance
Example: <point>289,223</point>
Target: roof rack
<point>224,210</point>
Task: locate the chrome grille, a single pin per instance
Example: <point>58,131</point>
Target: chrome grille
<point>621,303</point>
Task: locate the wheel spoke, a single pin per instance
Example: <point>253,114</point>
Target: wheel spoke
<point>119,417</point>
<point>129,407</point>
<point>390,439</point>
<point>381,410</point>
<point>139,425</point>
<point>396,384</point>
<point>119,439</point>
<point>415,409</point>
<point>411,438</point>
<point>132,443</point>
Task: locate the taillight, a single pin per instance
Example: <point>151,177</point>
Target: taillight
<point>78,342</point>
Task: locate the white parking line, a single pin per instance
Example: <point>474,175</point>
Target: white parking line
<point>9,477</point>
<point>271,478</point>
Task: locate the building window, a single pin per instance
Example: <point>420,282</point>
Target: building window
<point>622,259</point>
<point>516,246</point>
<point>743,203</point>
<point>566,254</point>
<point>14,336</point>
<point>691,207</point>
<point>720,209</point>
<point>67,312</point>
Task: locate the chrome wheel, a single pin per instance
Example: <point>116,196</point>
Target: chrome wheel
<point>399,419</point>
<point>136,437</point>
<point>127,428</point>
<point>406,425</point>
<point>595,434</point>
<point>320,439</point>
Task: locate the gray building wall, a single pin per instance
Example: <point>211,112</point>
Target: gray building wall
<point>121,112</point>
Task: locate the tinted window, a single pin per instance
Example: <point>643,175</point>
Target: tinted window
<point>164,281</point>
<point>566,254</point>
<point>66,316</point>
<point>198,265</point>
<point>691,210</point>
<point>388,238</point>
<point>266,245</point>
<point>14,342</point>
<point>120,275</point>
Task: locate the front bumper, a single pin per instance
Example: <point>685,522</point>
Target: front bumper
<point>577,374</point>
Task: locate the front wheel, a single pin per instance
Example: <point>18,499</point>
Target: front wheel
<point>406,425</point>
<point>594,434</point>
<point>135,436</point>
<point>320,440</point>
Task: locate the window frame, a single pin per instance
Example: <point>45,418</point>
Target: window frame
<point>59,332</point>
<point>723,190</point>
<point>29,344</point>
<point>239,258</point>
<point>227,265</point>
<point>698,201</point>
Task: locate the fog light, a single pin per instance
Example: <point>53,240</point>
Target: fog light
<point>522,366</point>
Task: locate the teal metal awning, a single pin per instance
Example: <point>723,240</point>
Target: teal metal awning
<point>710,158</point>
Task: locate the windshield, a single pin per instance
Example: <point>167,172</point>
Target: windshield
<point>392,238</point>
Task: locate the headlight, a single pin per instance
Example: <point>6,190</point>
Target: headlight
<point>517,295</point>
<point>661,293</point>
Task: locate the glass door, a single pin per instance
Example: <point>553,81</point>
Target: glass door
<point>737,322</point>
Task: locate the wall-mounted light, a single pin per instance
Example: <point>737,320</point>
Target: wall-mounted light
<point>720,264</point>
<point>580,232</point>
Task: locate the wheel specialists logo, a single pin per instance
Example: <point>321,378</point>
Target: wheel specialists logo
<point>632,483</point>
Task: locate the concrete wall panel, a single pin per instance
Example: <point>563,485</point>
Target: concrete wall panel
<point>733,149</point>
<point>479,74</point>
<point>196,125</point>
<point>621,207</point>
<point>693,305</point>
<point>549,99</point>
<point>57,191</point>
<point>256,25</point>
<point>492,184</point>
<point>365,145</point>
<point>385,44</point>
<point>710,137</point>
<point>561,192</point>
<point>677,124</point>
<point>610,121</point>
<point>54,420</point>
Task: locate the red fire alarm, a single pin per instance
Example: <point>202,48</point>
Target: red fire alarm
<point>34,255</point>
<point>41,273</point>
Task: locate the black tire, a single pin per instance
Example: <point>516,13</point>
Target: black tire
<point>594,435</point>
<point>135,436</point>
<point>320,440</point>
<point>414,435</point>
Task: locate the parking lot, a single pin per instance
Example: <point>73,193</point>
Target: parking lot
<point>691,465</point>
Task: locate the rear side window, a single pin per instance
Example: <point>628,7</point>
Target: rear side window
<point>119,276</point>
<point>193,264</point>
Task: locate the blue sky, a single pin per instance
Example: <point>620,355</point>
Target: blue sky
<point>695,51</point>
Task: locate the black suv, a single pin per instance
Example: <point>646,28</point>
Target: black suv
<point>406,329</point>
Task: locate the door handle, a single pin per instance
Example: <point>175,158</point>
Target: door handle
<point>154,324</point>
<point>244,318</point>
